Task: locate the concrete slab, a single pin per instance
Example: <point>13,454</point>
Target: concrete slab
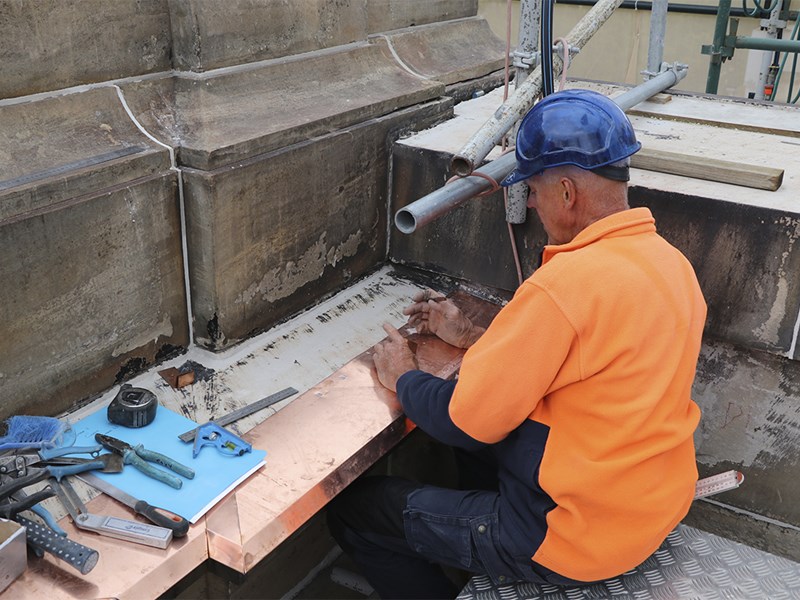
<point>281,229</point>
<point>54,44</point>
<point>231,116</point>
<point>385,15</point>
<point>450,51</point>
<point>92,292</point>
<point>208,35</point>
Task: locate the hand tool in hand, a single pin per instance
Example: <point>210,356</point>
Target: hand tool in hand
<point>132,407</point>
<point>21,469</point>
<point>43,539</point>
<point>245,411</point>
<point>211,434</point>
<point>159,516</point>
<point>137,456</point>
<point>123,529</point>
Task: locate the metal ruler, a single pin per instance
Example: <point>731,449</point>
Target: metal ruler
<point>244,411</point>
<point>729,480</point>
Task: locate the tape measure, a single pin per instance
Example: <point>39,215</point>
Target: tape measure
<point>133,407</point>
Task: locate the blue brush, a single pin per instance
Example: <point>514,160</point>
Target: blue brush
<point>32,432</point>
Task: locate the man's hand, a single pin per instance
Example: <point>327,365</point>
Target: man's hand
<point>393,358</point>
<point>432,314</point>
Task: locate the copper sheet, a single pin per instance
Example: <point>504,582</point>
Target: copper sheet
<point>316,446</point>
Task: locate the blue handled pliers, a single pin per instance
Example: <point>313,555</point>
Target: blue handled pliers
<point>137,456</point>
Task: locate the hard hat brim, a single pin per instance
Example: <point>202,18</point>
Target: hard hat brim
<point>514,177</point>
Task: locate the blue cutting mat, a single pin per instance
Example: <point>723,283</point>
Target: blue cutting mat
<point>215,473</point>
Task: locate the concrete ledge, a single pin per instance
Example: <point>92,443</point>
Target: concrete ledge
<point>209,35</point>
<point>232,116</point>
<point>61,147</point>
<point>384,15</point>
<point>53,44</point>
<point>449,52</point>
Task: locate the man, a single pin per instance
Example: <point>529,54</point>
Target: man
<point>577,396</point>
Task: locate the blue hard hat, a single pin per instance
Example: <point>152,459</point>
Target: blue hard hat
<point>572,127</point>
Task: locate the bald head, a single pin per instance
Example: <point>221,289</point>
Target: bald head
<point>568,199</point>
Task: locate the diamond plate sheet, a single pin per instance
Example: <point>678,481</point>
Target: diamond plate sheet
<point>690,565</point>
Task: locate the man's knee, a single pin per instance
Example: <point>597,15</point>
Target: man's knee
<point>371,504</point>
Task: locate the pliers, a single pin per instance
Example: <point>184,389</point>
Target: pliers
<point>137,456</point>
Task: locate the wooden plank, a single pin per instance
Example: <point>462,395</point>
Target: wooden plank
<point>712,169</point>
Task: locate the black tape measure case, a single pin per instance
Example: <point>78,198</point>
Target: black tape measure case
<point>133,407</point>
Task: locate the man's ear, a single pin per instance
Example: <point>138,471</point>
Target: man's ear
<point>569,192</point>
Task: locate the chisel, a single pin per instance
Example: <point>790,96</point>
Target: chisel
<point>159,516</point>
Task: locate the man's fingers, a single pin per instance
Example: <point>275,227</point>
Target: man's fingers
<point>393,333</point>
<point>425,295</point>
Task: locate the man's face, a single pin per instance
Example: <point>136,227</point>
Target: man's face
<point>547,197</point>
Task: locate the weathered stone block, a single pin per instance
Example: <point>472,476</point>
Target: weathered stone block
<point>276,231</point>
<point>450,51</point>
<point>230,117</point>
<point>384,15</point>
<point>91,287</point>
<point>208,35</point>
<point>746,258</point>
<point>90,251</point>
<point>53,44</point>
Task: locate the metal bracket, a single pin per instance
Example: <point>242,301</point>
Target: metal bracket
<point>665,66</point>
<point>724,52</point>
<point>525,60</point>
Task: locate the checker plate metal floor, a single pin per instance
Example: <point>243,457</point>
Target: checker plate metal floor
<point>690,565</point>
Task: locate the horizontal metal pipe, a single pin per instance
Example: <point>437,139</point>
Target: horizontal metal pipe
<point>657,84</point>
<point>437,203</point>
<point>446,198</point>
<point>487,137</point>
<point>692,9</point>
<point>754,43</point>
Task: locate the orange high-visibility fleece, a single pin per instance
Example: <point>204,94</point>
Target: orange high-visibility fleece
<point>589,368</point>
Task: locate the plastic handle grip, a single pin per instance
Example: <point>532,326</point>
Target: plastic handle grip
<point>163,518</point>
<point>42,538</point>
<point>132,459</point>
<point>165,461</point>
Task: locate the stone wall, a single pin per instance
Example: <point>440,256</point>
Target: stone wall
<point>269,124</point>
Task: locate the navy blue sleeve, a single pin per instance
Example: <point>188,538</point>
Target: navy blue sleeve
<point>425,399</point>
